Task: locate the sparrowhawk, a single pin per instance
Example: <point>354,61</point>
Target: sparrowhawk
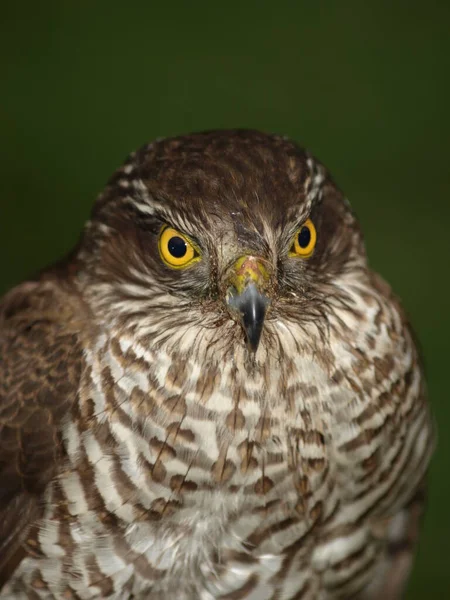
<point>213,396</point>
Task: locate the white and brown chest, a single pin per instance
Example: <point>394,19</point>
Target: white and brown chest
<point>220,478</point>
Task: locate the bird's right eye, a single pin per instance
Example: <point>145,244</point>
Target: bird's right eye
<point>176,250</point>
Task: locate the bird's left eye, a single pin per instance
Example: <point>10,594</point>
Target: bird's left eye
<point>176,250</point>
<point>304,240</point>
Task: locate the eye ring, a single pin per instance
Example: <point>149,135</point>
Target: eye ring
<point>304,240</point>
<point>175,249</point>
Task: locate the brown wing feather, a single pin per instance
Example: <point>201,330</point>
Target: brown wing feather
<point>40,364</point>
<point>401,533</point>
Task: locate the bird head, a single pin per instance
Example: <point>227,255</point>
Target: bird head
<point>220,238</point>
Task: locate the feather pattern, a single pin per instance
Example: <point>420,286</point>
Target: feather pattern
<point>149,454</point>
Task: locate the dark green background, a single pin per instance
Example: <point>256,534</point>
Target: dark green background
<point>363,84</point>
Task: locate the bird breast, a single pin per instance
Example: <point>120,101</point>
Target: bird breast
<point>216,473</point>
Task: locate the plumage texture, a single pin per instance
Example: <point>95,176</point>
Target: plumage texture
<point>145,452</point>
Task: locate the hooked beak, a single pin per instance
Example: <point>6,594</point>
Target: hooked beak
<point>246,297</point>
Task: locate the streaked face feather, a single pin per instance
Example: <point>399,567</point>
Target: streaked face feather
<point>232,196</point>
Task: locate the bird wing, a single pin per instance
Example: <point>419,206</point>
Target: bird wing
<point>40,365</point>
<point>402,536</point>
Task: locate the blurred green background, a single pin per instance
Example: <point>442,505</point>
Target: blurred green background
<point>363,84</point>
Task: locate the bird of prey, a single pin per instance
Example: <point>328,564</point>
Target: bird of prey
<point>213,396</point>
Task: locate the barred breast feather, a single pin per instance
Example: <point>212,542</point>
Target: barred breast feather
<point>289,478</point>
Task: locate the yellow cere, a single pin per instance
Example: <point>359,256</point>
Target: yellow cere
<point>246,269</point>
<point>304,241</point>
<point>176,250</point>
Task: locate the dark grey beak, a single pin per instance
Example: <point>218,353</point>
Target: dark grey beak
<point>251,307</point>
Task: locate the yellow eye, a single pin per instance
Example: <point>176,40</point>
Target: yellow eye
<point>304,240</point>
<point>175,249</point>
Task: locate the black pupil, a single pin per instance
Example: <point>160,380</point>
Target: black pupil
<point>304,237</point>
<point>177,247</point>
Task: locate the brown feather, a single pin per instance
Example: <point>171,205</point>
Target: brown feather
<point>142,446</point>
<point>40,365</point>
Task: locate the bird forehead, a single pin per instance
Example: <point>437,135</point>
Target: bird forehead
<point>239,181</point>
<point>239,171</point>
<point>225,196</point>
<point>232,230</point>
